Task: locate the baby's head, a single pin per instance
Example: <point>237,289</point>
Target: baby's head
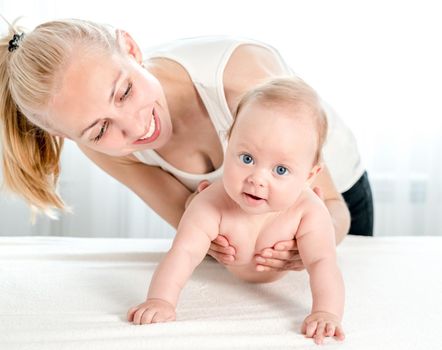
<point>294,99</point>
<point>275,144</point>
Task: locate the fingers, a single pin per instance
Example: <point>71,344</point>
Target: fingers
<point>286,245</point>
<point>311,329</point>
<point>280,255</point>
<point>304,327</point>
<point>145,315</point>
<point>320,329</point>
<point>142,315</point>
<point>319,333</point>
<point>222,251</point>
<point>318,192</point>
<point>131,313</point>
<point>285,256</point>
<point>339,333</point>
<point>221,240</point>
<point>163,317</point>
<point>271,259</point>
<point>280,265</point>
<point>330,330</point>
<point>223,248</point>
<point>222,258</point>
<point>202,185</point>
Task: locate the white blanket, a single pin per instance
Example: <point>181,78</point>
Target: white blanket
<point>73,293</point>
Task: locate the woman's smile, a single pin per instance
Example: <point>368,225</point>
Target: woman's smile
<point>153,132</point>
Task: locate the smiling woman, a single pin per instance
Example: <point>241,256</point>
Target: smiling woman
<point>119,101</point>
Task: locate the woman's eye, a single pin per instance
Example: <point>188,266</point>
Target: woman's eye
<point>126,93</point>
<point>246,158</point>
<point>102,131</point>
<point>281,170</point>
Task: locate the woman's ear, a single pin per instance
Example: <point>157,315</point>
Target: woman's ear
<point>128,45</point>
<point>313,173</point>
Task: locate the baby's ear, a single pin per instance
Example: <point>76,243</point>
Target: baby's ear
<point>314,172</point>
<point>129,45</point>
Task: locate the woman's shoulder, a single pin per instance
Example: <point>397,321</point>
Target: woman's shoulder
<point>250,64</point>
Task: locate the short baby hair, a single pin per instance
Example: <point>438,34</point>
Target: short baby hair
<point>290,92</point>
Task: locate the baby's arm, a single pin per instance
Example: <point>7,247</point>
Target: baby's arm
<point>316,244</point>
<point>198,227</point>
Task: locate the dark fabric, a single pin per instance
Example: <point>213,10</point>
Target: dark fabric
<point>360,203</point>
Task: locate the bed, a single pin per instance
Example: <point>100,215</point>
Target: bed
<point>73,293</point>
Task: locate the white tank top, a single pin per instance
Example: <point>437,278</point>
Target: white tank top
<point>204,59</point>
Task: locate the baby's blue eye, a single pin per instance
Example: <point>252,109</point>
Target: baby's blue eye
<point>246,158</point>
<point>281,170</point>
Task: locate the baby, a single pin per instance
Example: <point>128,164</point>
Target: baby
<point>264,197</point>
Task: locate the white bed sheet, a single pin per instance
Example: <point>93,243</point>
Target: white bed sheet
<point>73,293</point>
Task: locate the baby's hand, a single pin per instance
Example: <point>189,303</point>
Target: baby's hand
<point>322,324</point>
<point>152,311</point>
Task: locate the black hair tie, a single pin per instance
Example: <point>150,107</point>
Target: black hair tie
<point>13,43</point>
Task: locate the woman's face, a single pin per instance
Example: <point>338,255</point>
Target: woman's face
<point>110,104</point>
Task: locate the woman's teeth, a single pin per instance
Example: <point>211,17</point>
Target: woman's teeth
<point>151,130</point>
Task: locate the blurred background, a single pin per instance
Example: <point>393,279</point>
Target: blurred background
<point>377,63</point>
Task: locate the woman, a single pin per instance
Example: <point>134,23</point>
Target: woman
<point>152,124</point>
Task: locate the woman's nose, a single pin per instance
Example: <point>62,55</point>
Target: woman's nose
<point>133,125</point>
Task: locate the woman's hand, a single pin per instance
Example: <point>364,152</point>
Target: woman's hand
<point>201,186</point>
<point>284,255</point>
<point>220,249</point>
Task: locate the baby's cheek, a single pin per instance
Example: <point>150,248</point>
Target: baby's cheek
<point>231,179</point>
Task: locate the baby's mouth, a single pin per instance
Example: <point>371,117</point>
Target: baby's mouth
<point>253,197</point>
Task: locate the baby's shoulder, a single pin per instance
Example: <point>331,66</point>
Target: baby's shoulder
<point>214,196</point>
<point>310,203</point>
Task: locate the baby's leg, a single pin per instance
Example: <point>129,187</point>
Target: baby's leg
<point>249,274</point>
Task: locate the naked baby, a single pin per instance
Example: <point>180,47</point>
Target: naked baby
<point>272,158</point>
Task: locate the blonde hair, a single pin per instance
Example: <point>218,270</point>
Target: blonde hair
<point>292,92</point>
<point>29,75</point>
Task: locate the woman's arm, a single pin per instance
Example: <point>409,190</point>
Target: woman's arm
<point>161,191</point>
<point>335,204</point>
<point>158,189</point>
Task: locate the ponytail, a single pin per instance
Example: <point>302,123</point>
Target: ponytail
<point>31,158</point>
<point>31,67</point>
<point>30,155</point>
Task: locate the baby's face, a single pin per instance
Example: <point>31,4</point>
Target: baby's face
<point>269,159</point>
